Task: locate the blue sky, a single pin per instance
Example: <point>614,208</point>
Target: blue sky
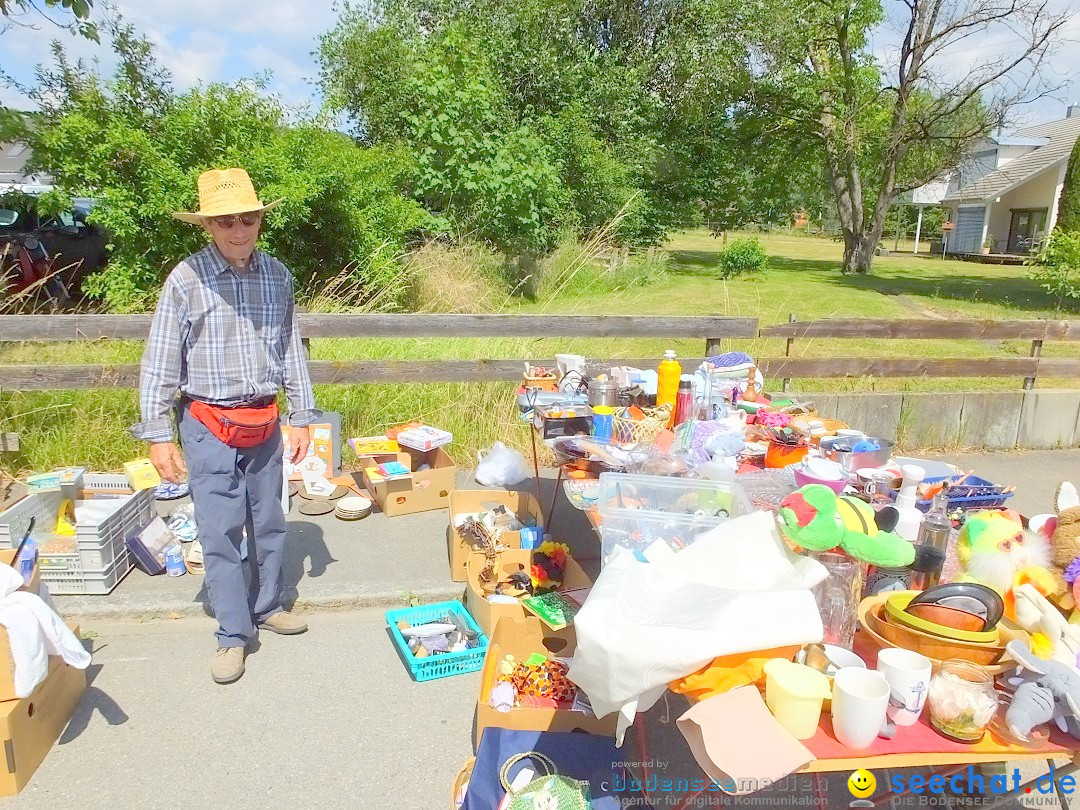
<point>207,40</point>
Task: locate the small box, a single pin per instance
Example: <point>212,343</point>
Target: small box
<point>149,544</point>
<point>43,482</point>
<point>367,446</point>
<point>487,615</point>
<point>521,638</point>
<point>471,501</point>
<point>421,491</point>
<point>29,727</point>
<point>424,438</point>
<point>141,474</point>
<point>558,421</point>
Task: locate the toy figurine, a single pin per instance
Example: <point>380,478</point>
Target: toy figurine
<point>815,518</point>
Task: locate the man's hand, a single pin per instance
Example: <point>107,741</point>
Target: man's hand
<point>168,461</point>
<point>299,439</point>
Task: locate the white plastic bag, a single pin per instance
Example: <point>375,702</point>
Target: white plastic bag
<point>501,467</point>
<point>737,589</point>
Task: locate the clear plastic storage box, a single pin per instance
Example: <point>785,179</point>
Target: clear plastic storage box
<point>639,510</point>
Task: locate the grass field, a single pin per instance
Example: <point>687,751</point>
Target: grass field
<point>89,427</point>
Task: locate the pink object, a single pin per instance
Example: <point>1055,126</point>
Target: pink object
<point>761,750</point>
<point>802,479</point>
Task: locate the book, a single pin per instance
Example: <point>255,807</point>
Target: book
<point>367,446</point>
<point>394,469</point>
<point>553,609</point>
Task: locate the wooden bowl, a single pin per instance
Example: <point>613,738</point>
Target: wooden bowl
<point>870,620</point>
<point>930,645</point>
<point>948,617</point>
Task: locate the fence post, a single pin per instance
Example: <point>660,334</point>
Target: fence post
<point>787,352</point>
<point>1036,351</point>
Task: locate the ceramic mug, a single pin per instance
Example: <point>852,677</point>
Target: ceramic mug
<point>860,697</point>
<point>908,675</point>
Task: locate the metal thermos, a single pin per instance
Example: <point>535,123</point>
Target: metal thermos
<point>603,392</point>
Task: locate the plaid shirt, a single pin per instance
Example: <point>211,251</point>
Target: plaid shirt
<point>223,337</point>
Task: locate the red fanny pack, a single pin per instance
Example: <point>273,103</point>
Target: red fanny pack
<point>238,427</point>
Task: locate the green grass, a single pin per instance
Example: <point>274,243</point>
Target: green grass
<point>804,279</point>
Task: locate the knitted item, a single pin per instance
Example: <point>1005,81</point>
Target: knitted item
<point>730,359</point>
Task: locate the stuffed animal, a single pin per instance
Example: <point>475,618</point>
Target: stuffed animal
<point>1052,637</point>
<point>1065,543</point>
<point>993,548</point>
<point>1046,691</point>
<point>816,519</point>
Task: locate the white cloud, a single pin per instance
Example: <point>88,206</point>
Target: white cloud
<point>194,59</point>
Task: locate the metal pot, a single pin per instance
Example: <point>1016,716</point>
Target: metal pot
<point>856,461</point>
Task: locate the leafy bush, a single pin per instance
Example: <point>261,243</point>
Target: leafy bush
<point>744,255</point>
<point>1057,266</point>
<point>137,146</point>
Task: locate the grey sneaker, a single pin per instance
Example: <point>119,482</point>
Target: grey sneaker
<point>284,623</point>
<point>228,664</point>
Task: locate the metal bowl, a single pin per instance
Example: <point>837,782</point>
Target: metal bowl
<point>856,461</point>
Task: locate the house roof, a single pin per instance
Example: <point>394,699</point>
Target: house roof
<point>13,158</point>
<point>1062,137</point>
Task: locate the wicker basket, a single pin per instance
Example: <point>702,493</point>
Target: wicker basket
<point>626,430</point>
<point>830,425</point>
<point>463,776</point>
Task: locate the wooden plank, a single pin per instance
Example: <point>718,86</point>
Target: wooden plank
<point>136,327</point>
<point>918,367</point>
<point>36,378</point>
<point>927,329</point>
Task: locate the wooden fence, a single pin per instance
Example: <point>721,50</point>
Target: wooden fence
<point>712,330</point>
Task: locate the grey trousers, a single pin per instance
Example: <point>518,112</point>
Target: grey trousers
<point>232,489</point>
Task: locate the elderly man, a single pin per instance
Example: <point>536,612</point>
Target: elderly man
<point>224,338</point>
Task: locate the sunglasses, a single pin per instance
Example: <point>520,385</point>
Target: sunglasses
<point>229,220</point>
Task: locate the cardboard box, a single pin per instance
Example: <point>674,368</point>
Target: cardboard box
<point>141,474</point>
<point>470,501</point>
<point>7,663</point>
<point>488,615</point>
<point>422,491</point>
<point>521,638</point>
<point>29,727</point>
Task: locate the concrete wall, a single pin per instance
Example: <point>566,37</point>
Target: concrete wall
<point>1039,192</point>
<point>992,420</point>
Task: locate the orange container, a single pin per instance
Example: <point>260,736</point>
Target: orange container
<point>784,455</point>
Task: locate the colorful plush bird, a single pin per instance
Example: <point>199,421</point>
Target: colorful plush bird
<point>815,518</point>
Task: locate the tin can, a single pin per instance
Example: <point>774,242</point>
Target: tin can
<point>882,579</point>
<point>174,562</point>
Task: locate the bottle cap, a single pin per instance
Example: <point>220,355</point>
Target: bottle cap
<point>669,354</point>
<point>603,410</point>
<point>686,384</point>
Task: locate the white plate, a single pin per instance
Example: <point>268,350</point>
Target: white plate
<point>755,449</point>
<point>353,503</point>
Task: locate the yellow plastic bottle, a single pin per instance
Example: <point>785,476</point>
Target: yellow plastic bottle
<point>667,384</point>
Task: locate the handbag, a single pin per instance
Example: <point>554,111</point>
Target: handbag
<point>548,792</point>
<point>238,427</point>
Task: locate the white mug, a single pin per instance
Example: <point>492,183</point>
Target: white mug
<point>908,675</point>
<point>860,697</point>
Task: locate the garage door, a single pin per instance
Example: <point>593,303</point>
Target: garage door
<point>967,236</point>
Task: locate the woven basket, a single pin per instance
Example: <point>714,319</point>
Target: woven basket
<point>463,776</point>
<point>625,430</point>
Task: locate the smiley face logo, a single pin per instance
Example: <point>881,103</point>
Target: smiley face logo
<point>861,783</point>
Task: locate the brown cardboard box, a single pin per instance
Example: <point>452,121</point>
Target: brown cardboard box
<point>29,727</point>
<point>7,664</point>
<point>466,501</point>
<point>521,638</point>
<point>422,491</point>
<point>486,614</point>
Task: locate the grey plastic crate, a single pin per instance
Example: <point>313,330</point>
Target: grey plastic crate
<point>73,582</point>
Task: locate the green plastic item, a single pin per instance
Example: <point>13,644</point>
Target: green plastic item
<point>550,791</point>
<point>536,660</point>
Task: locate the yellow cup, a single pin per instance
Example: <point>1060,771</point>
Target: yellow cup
<point>794,694</point>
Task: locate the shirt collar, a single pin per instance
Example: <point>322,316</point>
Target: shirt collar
<point>222,264</point>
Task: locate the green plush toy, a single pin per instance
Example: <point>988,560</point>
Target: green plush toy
<point>815,518</point>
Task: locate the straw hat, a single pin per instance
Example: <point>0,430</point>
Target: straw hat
<point>224,191</point>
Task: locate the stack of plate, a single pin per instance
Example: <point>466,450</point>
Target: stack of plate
<point>352,507</point>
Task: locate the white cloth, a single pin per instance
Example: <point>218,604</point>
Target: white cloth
<point>35,632</point>
<point>738,588</point>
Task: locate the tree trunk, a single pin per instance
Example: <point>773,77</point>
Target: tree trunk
<point>859,250</point>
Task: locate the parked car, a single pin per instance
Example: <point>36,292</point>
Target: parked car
<point>66,241</point>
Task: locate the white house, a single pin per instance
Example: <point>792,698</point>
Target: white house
<point>1008,192</point>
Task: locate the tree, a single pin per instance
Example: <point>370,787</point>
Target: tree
<point>137,147</point>
<point>15,11</point>
<point>883,130</point>
<point>632,101</point>
<point>1068,218</point>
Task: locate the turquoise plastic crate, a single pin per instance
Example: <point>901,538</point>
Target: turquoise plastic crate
<point>445,664</point>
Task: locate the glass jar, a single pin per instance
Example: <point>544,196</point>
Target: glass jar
<point>837,597</point>
<point>962,700</point>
